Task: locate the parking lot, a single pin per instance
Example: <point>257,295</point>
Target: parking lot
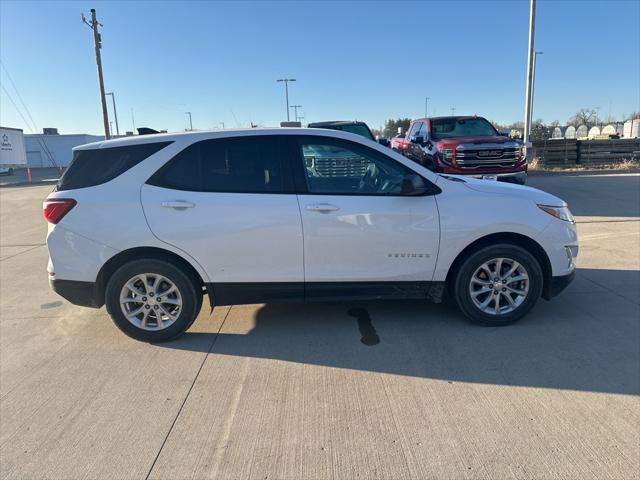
<point>366,390</point>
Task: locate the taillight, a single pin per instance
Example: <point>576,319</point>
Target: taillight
<point>54,209</point>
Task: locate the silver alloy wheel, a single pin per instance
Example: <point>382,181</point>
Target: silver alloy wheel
<point>499,286</point>
<point>150,301</point>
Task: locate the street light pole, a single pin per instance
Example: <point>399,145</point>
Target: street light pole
<point>190,121</point>
<point>533,85</point>
<point>295,111</point>
<point>286,91</point>
<point>222,123</point>
<point>531,59</point>
<point>453,111</point>
<point>426,106</point>
<point>115,114</point>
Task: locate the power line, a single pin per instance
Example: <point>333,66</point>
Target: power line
<point>33,127</point>
<point>38,139</point>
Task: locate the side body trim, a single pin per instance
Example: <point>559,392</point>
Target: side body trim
<point>284,292</point>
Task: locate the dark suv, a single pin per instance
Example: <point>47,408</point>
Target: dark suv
<point>359,128</point>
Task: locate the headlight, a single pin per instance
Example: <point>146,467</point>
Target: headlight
<point>561,213</point>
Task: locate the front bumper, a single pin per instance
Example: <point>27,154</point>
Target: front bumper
<point>557,285</point>
<point>517,173</point>
<point>518,177</point>
<point>78,293</point>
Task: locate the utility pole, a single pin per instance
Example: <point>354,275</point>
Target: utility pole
<point>97,40</point>
<point>533,85</point>
<point>222,123</point>
<point>115,114</point>
<point>133,121</point>
<point>286,91</point>
<point>531,58</point>
<point>190,121</point>
<point>426,106</point>
<point>295,111</point>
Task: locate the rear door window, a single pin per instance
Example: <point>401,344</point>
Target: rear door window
<point>97,166</point>
<point>233,165</point>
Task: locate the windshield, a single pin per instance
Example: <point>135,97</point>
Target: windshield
<point>461,127</point>
<point>361,130</point>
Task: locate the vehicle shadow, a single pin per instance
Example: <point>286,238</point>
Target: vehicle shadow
<point>586,339</point>
<point>606,194</point>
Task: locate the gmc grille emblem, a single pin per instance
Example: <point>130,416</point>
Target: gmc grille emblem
<point>489,153</point>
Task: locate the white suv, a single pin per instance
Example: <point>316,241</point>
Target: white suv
<point>149,225</point>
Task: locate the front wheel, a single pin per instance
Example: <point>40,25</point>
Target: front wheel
<point>152,300</point>
<point>498,285</point>
<point>429,163</point>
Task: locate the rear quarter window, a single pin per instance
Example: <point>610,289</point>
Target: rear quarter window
<point>97,166</point>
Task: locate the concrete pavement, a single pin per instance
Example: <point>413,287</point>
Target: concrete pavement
<point>364,390</point>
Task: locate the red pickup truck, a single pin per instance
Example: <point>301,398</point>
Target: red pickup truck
<point>465,145</point>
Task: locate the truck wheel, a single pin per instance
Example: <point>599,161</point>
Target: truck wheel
<point>10,172</point>
<point>498,285</point>
<point>152,300</point>
<point>430,164</point>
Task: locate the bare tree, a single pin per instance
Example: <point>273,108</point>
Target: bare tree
<point>540,131</point>
<point>584,116</point>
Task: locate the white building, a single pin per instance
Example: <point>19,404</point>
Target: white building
<point>54,150</point>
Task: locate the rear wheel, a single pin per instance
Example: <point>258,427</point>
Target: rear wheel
<point>152,300</point>
<point>498,285</point>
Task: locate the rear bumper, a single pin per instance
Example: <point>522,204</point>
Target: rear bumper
<point>76,292</point>
<point>557,285</point>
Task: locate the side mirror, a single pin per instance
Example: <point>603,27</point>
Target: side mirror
<point>418,140</point>
<point>413,184</point>
<point>384,142</point>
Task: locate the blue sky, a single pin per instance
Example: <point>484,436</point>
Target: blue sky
<point>364,60</point>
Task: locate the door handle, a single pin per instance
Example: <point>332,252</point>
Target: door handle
<point>178,204</point>
<point>322,208</point>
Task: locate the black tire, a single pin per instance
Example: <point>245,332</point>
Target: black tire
<point>429,163</point>
<point>190,293</point>
<point>464,275</point>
